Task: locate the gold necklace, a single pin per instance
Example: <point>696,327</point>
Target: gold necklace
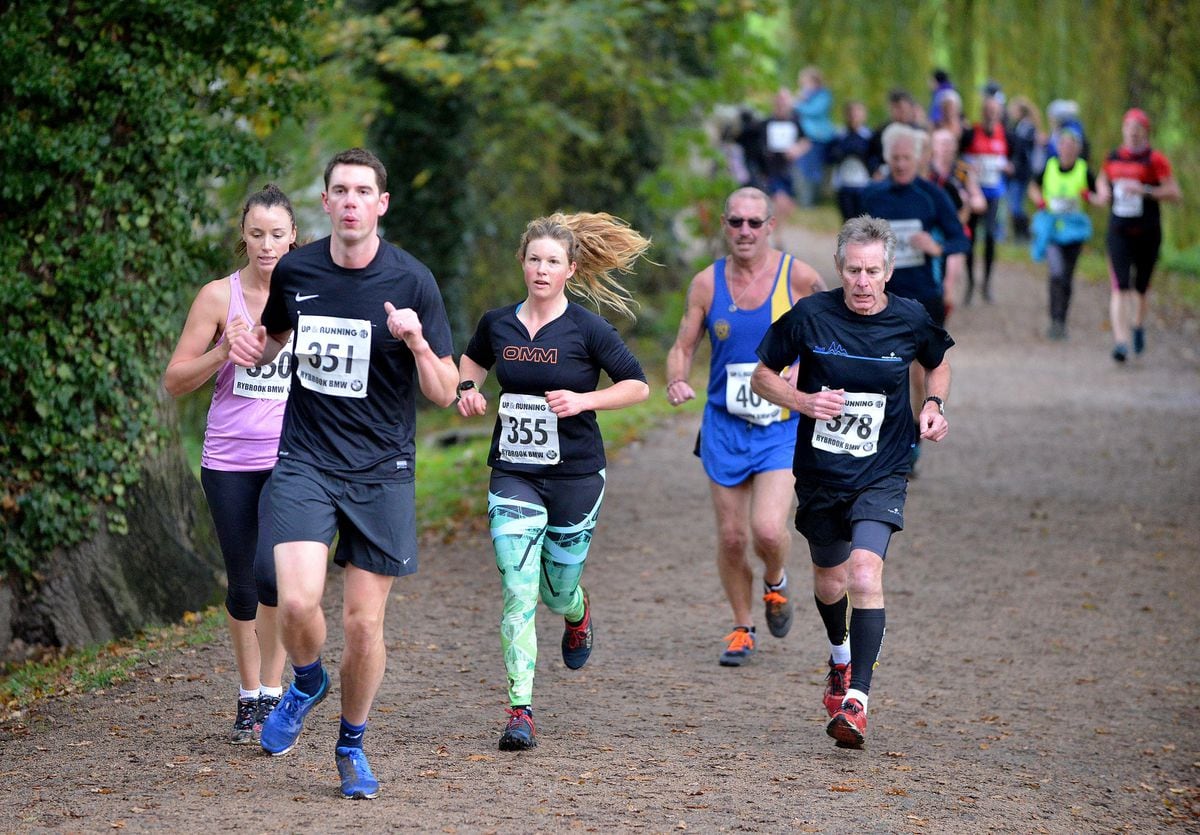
<point>733,305</point>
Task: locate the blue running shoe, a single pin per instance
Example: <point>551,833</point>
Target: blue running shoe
<point>519,734</point>
<point>1139,340</point>
<point>282,728</point>
<point>358,783</point>
<point>577,640</point>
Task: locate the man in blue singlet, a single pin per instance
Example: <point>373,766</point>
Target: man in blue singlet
<point>745,443</point>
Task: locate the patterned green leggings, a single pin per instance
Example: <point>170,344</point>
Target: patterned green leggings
<point>541,530</point>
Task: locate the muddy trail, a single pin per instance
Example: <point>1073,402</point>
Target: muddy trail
<point>1040,672</point>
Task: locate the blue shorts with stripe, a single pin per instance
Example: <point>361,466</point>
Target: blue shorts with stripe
<point>732,449</point>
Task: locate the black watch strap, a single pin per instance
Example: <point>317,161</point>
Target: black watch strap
<point>933,398</point>
<point>465,385</point>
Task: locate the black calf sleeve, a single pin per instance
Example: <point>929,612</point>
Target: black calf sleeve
<point>833,615</point>
<point>867,628</point>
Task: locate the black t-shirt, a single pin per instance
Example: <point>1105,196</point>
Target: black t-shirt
<point>567,353</point>
<point>345,416</point>
<point>869,357</point>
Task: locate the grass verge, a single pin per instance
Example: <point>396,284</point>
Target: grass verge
<point>102,665</point>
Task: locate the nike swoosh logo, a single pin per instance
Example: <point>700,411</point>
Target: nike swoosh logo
<point>300,298</point>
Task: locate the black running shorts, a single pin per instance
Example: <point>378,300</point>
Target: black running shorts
<point>375,521</point>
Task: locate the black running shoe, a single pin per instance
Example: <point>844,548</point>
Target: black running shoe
<point>243,725</point>
<point>266,704</point>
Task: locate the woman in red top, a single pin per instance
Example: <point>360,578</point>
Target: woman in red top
<point>985,146</point>
<point>1135,178</point>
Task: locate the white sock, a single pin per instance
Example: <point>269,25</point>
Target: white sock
<point>247,695</point>
<point>857,695</point>
<point>782,584</point>
<point>276,692</point>
<point>840,653</point>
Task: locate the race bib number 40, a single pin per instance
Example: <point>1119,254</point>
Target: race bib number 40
<point>528,430</point>
<point>740,399</point>
<point>333,355</point>
<point>265,382</point>
<point>856,430</point>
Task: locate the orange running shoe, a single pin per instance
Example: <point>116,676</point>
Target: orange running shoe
<point>741,647</point>
<point>779,611</point>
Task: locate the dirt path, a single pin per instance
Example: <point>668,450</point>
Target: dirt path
<point>1040,672</point>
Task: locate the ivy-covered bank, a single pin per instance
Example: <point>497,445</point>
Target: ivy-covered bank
<point>116,118</point>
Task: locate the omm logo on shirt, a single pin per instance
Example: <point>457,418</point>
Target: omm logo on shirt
<point>525,353</point>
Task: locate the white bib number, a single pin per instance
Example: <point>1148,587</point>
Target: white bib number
<point>907,255</point>
<point>852,173</point>
<point>1128,198</point>
<point>991,170</point>
<point>1062,205</point>
<point>781,136</point>
<point>856,430</point>
<point>265,382</point>
<point>740,399</point>
<point>528,430</point>
<point>333,355</point>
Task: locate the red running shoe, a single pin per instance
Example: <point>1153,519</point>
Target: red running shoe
<point>849,725</point>
<point>836,685</point>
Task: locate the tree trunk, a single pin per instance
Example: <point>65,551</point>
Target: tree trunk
<point>113,585</point>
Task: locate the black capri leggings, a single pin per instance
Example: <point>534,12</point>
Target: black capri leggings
<point>240,504</point>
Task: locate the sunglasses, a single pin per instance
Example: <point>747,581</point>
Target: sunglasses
<point>736,222</point>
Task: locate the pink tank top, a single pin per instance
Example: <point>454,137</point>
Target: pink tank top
<point>242,434</point>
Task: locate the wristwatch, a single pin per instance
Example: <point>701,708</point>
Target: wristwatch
<point>934,399</point>
<point>465,385</point>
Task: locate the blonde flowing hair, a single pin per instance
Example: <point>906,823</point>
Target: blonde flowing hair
<point>599,244</point>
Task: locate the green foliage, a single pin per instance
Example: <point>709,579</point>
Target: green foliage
<point>115,120</point>
<point>499,112</point>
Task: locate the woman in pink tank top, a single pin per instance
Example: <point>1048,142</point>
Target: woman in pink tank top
<point>241,440</point>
